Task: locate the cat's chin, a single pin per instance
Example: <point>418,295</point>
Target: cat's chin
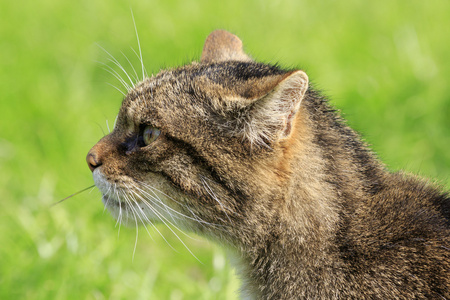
<point>125,212</point>
<point>113,204</point>
<point>119,210</point>
<point>116,199</point>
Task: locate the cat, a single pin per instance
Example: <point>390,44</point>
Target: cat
<point>251,156</point>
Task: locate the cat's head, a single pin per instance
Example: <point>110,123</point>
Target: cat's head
<point>197,145</point>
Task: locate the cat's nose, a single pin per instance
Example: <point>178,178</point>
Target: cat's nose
<point>93,160</point>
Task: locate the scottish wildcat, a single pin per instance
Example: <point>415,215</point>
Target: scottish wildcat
<point>251,156</point>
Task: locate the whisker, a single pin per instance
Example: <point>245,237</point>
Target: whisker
<point>139,45</point>
<point>101,128</point>
<point>176,235</point>
<point>154,226</point>
<point>130,205</point>
<point>107,198</point>
<point>161,192</point>
<point>158,213</point>
<point>159,202</point>
<point>119,65</point>
<point>113,72</point>
<point>136,76</point>
<point>116,88</point>
<point>115,120</point>
<point>162,218</point>
<point>166,207</point>
<point>137,55</point>
<point>74,194</point>
<point>120,217</point>
<point>132,200</point>
<point>211,193</point>
<point>168,221</point>
<point>155,197</point>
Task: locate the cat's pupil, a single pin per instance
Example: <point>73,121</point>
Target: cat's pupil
<point>150,134</point>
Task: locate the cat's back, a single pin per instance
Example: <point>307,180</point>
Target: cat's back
<point>399,236</point>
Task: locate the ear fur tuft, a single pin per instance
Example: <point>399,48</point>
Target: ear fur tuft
<point>271,117</point>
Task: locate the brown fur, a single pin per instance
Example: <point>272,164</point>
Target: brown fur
<point>256,159</point>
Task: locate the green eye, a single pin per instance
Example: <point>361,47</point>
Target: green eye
<point>150,134</point>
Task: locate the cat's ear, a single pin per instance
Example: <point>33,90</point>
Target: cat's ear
<point>271,117</point>
<point>221,45</point>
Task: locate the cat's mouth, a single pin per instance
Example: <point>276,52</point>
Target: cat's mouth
<point>132,204</point>
<point>111,193</point>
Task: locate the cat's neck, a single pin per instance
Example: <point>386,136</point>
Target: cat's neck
<point>320,167</point>
<point>325,168</point>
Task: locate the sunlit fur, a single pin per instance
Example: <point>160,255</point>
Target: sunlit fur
<point>251,156</point>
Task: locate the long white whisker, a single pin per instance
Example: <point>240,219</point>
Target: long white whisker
<point>211,193</point>
<point>162,205</point>
<point>158,202</point>
<point>154,226</point>
<point>115,120</point>
<point>136,76</point>
<point>139,45</point>
<point>130,205</point>
<point>161,192</point>
<point>144,201</point>
<point>200,221</point>
<point>111,70</point>
<point>162,218</point>
<point>117,63</point>
<point>161,215</point>
<point>116,88</point>
<point>107,199</point>
<point>137,55</point>
<point>166,207</point>
<point>116,75</point>
<point>139,213</point>
<point>119,219</point>
<point>106,204</point>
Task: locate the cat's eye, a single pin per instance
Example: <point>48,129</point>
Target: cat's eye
<point>150,134</point>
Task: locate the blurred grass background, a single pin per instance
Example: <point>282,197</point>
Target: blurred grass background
<point>385,64</point>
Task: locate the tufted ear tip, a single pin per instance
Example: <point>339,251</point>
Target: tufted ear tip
<point>221,45</point>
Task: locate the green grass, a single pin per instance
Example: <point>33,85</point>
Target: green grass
<point>385,64</point>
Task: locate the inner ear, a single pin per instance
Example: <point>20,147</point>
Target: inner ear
<point>221,45</point>
<point>271,117</point>
<point>291,91</point>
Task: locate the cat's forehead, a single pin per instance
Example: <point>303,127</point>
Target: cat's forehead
<point>154,95</point>
<point>187,89</point>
